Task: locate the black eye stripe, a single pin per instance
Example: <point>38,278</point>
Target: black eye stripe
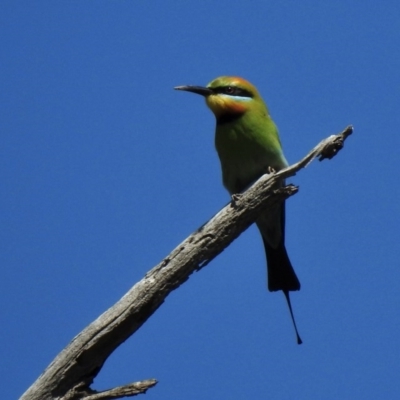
<point>232,91</point>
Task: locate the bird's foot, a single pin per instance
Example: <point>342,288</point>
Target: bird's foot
<point>270,170</point>
<point>235,198</point>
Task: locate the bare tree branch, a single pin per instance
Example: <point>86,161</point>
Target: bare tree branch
<point>129,390</point>
<point>71,373</point>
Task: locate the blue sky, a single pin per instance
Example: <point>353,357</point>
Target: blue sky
<point>105,169</point>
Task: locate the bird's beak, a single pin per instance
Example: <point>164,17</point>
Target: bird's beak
<point>195,89</point>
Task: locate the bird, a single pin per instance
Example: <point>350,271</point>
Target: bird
<point>248,146</point>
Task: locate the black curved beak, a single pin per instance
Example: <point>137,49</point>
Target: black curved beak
<point>195,89</point>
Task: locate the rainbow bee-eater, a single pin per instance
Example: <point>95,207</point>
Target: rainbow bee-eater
<point>248,146</point>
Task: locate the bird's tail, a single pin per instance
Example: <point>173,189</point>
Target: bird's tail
<point>281,275</point>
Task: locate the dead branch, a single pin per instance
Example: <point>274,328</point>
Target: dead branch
<point>71,373</point>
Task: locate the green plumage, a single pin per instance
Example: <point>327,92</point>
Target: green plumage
<point>248,146</point>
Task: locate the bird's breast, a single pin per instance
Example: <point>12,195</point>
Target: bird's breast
<point>246,153</point>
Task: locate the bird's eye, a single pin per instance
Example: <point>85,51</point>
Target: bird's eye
<point>230,90</point>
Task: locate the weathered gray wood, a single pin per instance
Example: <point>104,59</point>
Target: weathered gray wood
<point>71,373</point>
